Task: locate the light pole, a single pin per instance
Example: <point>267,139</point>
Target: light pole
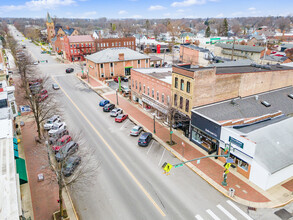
<point>226,171</point>
<point>117,97</point>
<point>154,124</point>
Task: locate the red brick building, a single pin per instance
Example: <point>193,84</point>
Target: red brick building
<point>104,43</point>
<point>76,47</point>
<point>151,87</point>
<point>113,62</point>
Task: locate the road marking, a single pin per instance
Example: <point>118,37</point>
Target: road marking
<point>239,210</point>
<point>212,214</point>
<point>114,153</point>
<point>230,216</point>
<point>198,217</point>
<point>162,157</point>
<point>150,147</point>
<point>125,123</point>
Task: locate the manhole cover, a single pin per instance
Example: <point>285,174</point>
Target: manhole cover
<point>283,214</point>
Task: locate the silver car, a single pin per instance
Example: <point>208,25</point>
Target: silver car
<point>115,112</point>
<point>136,130</point>
<point>50,122</point>
<point>56,127</point>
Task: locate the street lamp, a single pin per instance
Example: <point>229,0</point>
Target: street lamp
<point>154,124</point>
<point>226,171</point>
<point>117,97</point>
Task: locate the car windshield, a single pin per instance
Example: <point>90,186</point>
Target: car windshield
<point>55,127</point>
<point>49,122</point>
<point>135,129</point>
<point>119,116</point>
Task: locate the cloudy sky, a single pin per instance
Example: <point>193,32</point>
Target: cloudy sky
<point>145,8</point>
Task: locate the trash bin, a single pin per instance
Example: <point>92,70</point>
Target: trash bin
<point>231,192</point>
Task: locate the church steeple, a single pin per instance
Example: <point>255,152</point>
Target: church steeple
<point>50,28</point>
<point>49,19</point>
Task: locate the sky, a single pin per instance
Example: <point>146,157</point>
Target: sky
<point>145,8</point>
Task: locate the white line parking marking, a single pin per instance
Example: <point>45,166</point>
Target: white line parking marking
<point>230,216</point>
<point>212,214</point>
<point>151,146</point>
<point>124,124</point>
<point>162,157</point>
<point>198,217</point>
<point>239,210</point>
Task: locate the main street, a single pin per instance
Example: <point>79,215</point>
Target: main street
<point>129,183</point>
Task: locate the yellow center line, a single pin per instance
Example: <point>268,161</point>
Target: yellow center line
<point>114,153</point>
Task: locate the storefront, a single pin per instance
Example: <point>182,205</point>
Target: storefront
<point>159,109</point>
<point>205,132</point>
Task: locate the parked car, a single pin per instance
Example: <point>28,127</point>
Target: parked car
<point>43,97</point>
<point>61,142</point>
<point>121,118</point>
<point>135,131</point>
<point>104,102</point>
<point>116,79</point>
<point>70,165</point>
<point>56,127</point>
<point>43,92</point>
<point>145,139</point>
<point>57,135</point>
<point>115,112</point>
<point>36,88</point>
<point>70,148</point>
<point>49,124</point>
<point>125,89</point>
<point>124,79</point>
<point>55,86</point>
<point>69,70</point>
<point>108,107</point>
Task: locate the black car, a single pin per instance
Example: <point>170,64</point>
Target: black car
<point>145,139</point>
<point>70,148</point>
<point>69,70</point>
<point>70,165</point>
<point>108,107</point>
<point>124,79</point>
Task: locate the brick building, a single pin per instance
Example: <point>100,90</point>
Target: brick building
<point>76,47</point>
<point>104,43</point>
<point>151,87</point>
<point>113,62</point>
<point>194,55</point>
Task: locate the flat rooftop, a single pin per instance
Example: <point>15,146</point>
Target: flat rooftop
<point>250,106</point>
<point>164,74</point>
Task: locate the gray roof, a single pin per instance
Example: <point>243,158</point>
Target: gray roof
<point>275,58</point>
<point>274,149</point>
<point>240,47</point>
<point>249,106</point>
<point>112,54</point>
<point>288,46</point>
<point>233,63</point>
<point>200,49</point>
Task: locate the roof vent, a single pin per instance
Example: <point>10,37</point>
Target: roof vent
<point>265,103</point>
<point>256,97</point>
<point>290,96</point>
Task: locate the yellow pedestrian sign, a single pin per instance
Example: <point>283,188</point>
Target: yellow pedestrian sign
<point>226,171</point>
<point>167,167</point>
<point>227,166</point>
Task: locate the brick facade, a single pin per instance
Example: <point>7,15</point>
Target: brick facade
<point>104,43</point>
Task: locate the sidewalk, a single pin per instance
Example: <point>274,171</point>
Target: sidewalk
<point>209,169</point>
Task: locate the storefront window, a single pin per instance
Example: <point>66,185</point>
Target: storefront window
<point>207,142</point>
<point>240,163</point>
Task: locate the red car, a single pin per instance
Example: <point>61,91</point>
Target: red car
<point>116,79</point>
<point>121,118</point>
<point>61,142</point>
<point>43,92</point>
<point>43,97</point>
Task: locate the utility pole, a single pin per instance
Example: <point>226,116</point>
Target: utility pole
<point>232,57</point>
<point>264,56</point>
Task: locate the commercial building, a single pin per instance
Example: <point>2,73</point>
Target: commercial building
<point>8,107</point>
<point>195,55</point>
<point>76,47</point>
<point>104,43</point>
<point>113,62</point>
<point>151,88</point>
<point>259,130</point>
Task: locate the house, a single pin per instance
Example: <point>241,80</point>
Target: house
<point>113,62</point>
<point>104,43</point>
<point>257,40</point>
<point>151,88</point>
<point>76,47</point>
<point>195,55</point>
<point>187,38</point>
<point>98,34</point>
<point>240,51</point>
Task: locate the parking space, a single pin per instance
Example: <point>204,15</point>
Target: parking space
<point>114,85</point>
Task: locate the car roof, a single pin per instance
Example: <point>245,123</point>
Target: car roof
<point>72,158</point>
<point>137,126</point>
<point>64,137</point>
<point>68,145</point>
<point>145,134</point>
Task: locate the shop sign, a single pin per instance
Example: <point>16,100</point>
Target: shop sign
<point>25,108</point>
<point>236,142</point>
<point>154,105</point>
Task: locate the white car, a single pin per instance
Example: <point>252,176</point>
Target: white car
<point>51,121</point>
<point>115,112</point>
<point>56,127</point>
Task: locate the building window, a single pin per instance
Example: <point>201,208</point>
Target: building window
<point>82,45</point>
<point>74,45</point>
<point>143,88</point>
<point>127,43</point>
<point>158,95</point>
<point>71,51</point>
<point>188,87</point>
<point>153,93</point>
<point>163,98</point>
<point>187,105</point>
<point>175,99</point>
<point>86,44</point>
<point>119,44</point>
<point>168,100</point>
<point>77,45</point>
<point>111,64</point>
<point>107,44</point>
<point>102,75</point>
<point>135,84</point>
<point>181,102</point>
<point>87,50</point>
<point>116,44</point>
<point>102,66</point>
<point>176,82</point>
<point>148,91</point>
<point>132,83</point>
<point>90,44</point>
<point>146,61</point>
<point>78,51</point>
<point>70,45</point>
<point>138,62</point>
<point>140,86</point>
<point>112,74</point>
<point>112,44</point>
<point>182,84</point>
<point>75,51</point>
<point>124,43</point>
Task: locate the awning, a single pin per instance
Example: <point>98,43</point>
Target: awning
<point>21,170</point>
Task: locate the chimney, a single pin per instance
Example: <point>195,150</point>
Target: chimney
<point>121,56</point>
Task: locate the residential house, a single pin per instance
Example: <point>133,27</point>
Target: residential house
<point>257,40</point>
<point>113,62</point>
<point>187,38</point>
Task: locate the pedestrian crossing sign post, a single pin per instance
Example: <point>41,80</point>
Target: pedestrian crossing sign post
<point>227,166</point>
<point>167,167</point>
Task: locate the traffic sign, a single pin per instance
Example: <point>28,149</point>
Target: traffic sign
<point>227,166</point>
<point>226,171</point>
<point>167,167</point>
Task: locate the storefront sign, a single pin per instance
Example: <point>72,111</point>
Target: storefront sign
<point>236,142</point>
<point>25,108</point>
<point>154,105</point>
<point>205,124</point>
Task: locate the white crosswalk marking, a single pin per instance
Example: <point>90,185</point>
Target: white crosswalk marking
<point>226,212</point>
<point>212,214</point>
<point>198,217</point>
<point>239,210</point>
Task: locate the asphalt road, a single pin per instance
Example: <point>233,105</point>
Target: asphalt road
<point>129,183</point>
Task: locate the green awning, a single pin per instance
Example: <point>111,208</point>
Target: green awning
<point>21,170</point>
<point>127,67</point>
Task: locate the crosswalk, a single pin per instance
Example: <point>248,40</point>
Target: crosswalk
<point>224,211</point>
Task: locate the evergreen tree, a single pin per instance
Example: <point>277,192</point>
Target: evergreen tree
<point>225,27</point>
<point>208,32</point>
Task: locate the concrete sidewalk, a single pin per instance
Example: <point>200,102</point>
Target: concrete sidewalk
<point>210,169</point>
